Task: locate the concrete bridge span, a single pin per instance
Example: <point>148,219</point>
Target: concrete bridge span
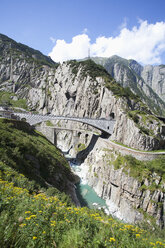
<point>101,124</point>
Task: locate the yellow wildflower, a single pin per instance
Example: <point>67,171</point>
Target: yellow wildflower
<point>28,218</point>
<point>112,239</point>
<point>159,243</point>
<point>27,212</point>
<point>34,237</point>
<point>32,216</point>
<point>137,235</point>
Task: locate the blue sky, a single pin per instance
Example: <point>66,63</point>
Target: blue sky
<point>65,29</point>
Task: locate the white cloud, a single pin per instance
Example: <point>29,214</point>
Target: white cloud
<point>144,43</point>
<point>77,49</point>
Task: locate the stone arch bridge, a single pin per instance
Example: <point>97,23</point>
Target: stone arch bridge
<point>103,125</point>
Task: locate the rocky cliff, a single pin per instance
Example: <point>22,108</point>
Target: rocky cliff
<point>129,191</point>
<point>154,76</point>
<point>148,82</point>
<point>65,92</point>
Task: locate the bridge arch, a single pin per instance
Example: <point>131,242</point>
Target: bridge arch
<point>79,133</point>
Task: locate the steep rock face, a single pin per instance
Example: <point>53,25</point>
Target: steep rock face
<point>135,66</point>
<point>147,82</point>
<point>74,96</point>
<point>154,76</point>
<point>126,196</point>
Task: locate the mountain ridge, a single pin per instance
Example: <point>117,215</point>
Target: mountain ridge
<point>129,73</point>
<point>15,48</point>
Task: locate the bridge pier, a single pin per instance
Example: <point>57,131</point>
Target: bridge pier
<point>49,133</point>
<point>65,139</point>
<point>105,135</point>
<point>55,137</point>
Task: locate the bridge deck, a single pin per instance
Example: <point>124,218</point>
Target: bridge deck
<point>101,124</point>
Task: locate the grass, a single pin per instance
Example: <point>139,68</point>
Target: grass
<point>140,169</point>
<point>80,147</point>
<point>49,123</point>
<point>30,54</point>
<point>6,99</point>
<point>142,116</point>
<point>88,67</point>
<point>32,154</point>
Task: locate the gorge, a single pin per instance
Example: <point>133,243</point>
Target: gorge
<point>110,169</point>
<point>125,169</point>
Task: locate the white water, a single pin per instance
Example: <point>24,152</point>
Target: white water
<point>86,195</point>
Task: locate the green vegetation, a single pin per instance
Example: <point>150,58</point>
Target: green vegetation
<point>48,92</point>
<point>59,124</point>
<point>33,214</point>
<point>80,147</point>
<point>142,120</point>
<point>32,154</point>
<point>140,169</point>
<point>39,220</point>
<point>95,175</point>
<point>6,100</point>
<point>119,91</point>
<point>145,118</point>
<point>49,123</point>
<point>88,67</point>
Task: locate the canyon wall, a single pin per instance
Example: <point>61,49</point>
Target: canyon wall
<point>128,194</point>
